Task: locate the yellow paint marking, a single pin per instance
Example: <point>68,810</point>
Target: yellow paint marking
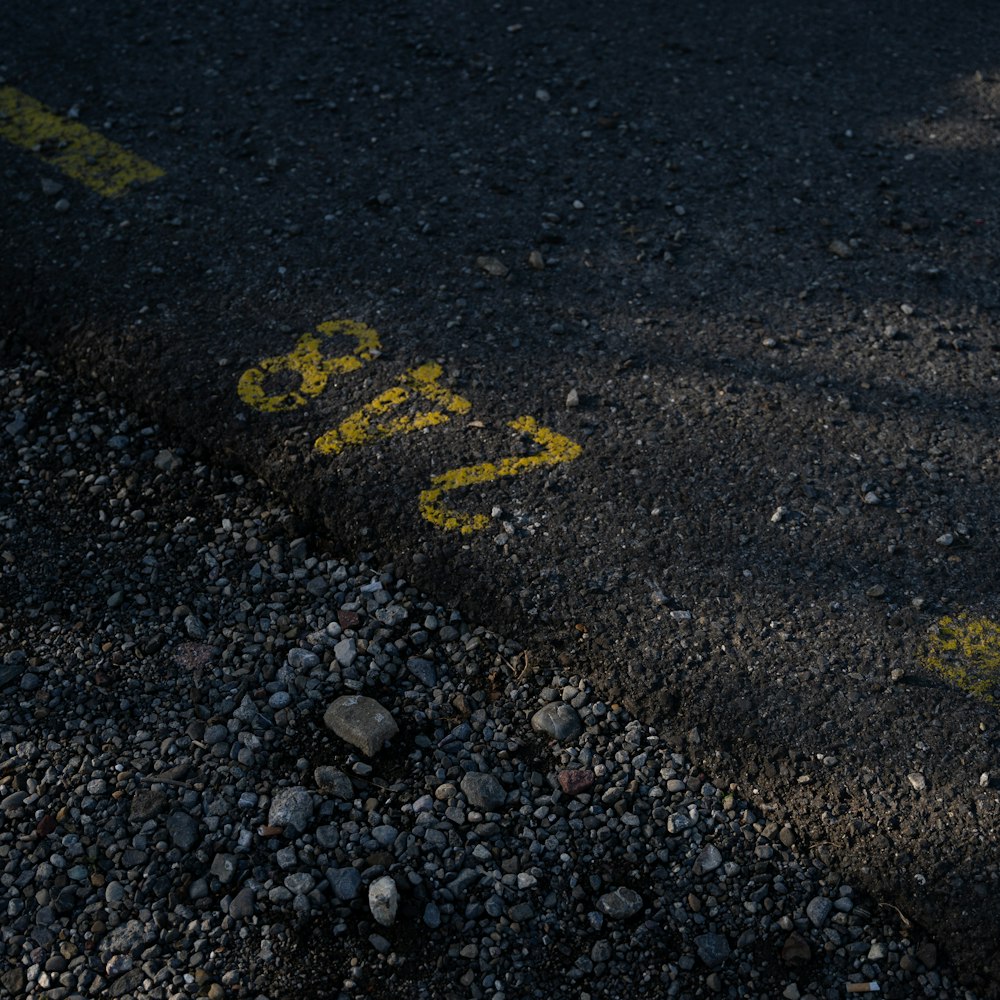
<point>556,449</point>
<point>966,651</point>
<point>79,152</point>
<point>306,362</point>
<point>364,426</point>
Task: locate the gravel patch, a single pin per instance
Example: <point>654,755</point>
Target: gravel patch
<point>181,818</point>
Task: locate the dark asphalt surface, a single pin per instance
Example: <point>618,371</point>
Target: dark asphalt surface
<point>731,270</point>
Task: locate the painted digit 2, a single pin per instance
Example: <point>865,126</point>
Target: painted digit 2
<point>556,449</point>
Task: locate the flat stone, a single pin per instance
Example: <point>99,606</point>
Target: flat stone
<point>818,911</point>
<point>346,652</point>
<point>423,670</point>
<point>483,791</point>
<point>713,949</point>
<point>128,938</point>
<point>15,981</point>
<point>620,904</point>
<point>345,883</point>
<point>383,900</point>
<point>242,904</point>
<point>129,985</point>
<point>224,867</point>
<point>146,804</point>
<point>708,860</point>
<point>332,781</point>
<point>183,830</point>
<point>362,722</point>
<point>291,808</point>
<point>577,780</point>
<point>432,915</point>
<point>678,822</point>
<point>558,720</point>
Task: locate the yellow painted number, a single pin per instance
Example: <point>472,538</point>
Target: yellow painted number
<point>305,362</point>
<point>966,651</point>
<point>556,449</point>
<point>366,425</point>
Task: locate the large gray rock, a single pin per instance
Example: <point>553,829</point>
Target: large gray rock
<point>362,722</point>
<point>483,791</point>
<point>558,720</point>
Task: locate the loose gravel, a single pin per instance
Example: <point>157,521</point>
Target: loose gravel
<point>232,765</point>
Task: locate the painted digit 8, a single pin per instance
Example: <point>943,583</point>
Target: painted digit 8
<point>306,361</point>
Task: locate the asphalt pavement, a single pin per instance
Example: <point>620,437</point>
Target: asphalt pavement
<point>666,333</point>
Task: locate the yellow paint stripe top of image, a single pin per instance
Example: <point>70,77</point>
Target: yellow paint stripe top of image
<point>79,152</point>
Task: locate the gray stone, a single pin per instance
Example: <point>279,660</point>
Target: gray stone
<point>346,652</point>
<point>291,808</point>
<point>678,822</point>
<point>394,614</point>
<point>129,985</point>
<point>216,733</point>
<point>15,981</point>
<point>383,900</point>
<point>708,860</point>
<point>362,722</point>
<point>300,883</point>
<point>345,883</point>
<point>558,720</point>
<point>242,904</point>
<point>183,830</point>
<point>713,949</point>
<point>483,791</point>
<point>818,911</point>
<point>332,781</point>
<point>423,670</point>
<point>620,904</point>
<point>302,659</point>
<point>128,938</point>
<point>224,868</point>
<point>384,834</point>
<point>432,915</point>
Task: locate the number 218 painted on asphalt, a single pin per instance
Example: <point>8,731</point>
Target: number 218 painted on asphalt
<point>307,365</point>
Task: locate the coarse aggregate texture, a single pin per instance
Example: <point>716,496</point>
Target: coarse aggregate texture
<point>742,256</point>
<point>179,821</point>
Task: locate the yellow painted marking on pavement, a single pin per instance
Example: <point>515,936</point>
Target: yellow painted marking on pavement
<point>364,426</point>
<point>79,152</point>
<point>966,651</point>
<point>305,361</point>
<point>556,449</point>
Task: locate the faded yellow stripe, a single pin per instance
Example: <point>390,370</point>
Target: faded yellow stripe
<point>78,152</point>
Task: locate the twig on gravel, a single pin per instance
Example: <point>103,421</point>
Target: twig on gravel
<point>902,916</point>
<point>153,780</point>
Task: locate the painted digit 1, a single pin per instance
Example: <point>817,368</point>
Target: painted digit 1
<point>365,426</point>
<point>556,449</point>
<point>306,362</point>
